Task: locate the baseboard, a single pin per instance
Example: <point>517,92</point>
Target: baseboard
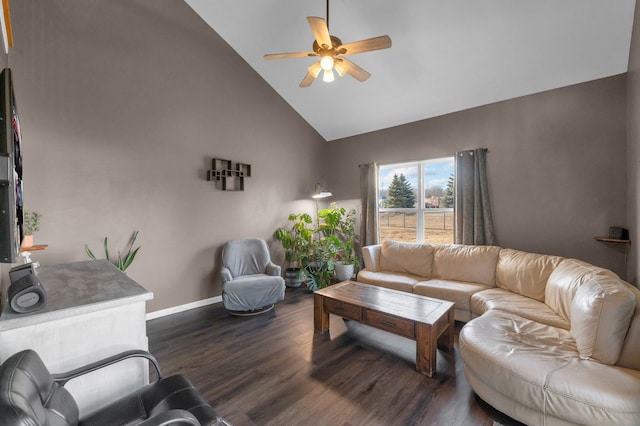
<point>182,308</point>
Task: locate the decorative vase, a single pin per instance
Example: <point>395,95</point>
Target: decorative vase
<point>27,241</point>
<point>293,277</point>
<point>344,272</point>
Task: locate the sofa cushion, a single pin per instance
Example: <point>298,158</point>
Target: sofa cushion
<point>454,291</point>
<point>410,258</point>
<point>538,367</point>
<point>629,355</point>
<point>588,392</point>
<point>507,301</point>
<point>525,273</point>
<point>514,355</point>
<point>600,315</point>
<point>473,264</point>
<point>371,257</point>
<point>393,280</point>
<point>563,283</point>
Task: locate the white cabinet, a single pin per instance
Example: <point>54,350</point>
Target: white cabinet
<point>93,311</point>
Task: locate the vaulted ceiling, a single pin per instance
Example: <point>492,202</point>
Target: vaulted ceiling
<point>446,56</point>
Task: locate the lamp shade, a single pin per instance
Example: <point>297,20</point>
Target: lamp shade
<point>320,192</point>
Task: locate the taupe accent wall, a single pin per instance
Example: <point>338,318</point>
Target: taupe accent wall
<point>556,165</point>
<point>123,104</point>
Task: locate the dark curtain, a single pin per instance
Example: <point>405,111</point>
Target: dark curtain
<point>474,222</point>
<point>369,206</point>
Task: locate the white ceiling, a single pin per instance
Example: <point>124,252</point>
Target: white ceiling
<point>447,55</point>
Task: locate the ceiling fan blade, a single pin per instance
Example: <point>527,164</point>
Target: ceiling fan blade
<point>375,43</point>
<point>289,55</point>
<point>307,80</point>
<point>320,31</point>
<point>315,69</point>
<point>340,66</point>
<point>355,71</point>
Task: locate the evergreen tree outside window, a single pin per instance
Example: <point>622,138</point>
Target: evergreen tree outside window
<point>400,194</point>
<point>415,201</point>
<point>449,194</point>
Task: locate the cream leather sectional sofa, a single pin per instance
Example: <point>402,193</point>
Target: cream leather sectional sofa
<point>548,340</point>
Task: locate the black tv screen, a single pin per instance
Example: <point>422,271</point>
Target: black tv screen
<point>11,200</point>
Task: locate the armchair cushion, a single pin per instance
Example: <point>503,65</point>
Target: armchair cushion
<point>246,257</point>
<point>173,394</point>
<point>252,292</point>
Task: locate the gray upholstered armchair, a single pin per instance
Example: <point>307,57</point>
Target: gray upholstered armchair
<point>251,283</point>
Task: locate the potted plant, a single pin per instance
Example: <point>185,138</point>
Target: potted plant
<point>340,223</point>
<point>124,260</point>
<point>321,266</point>
<point>30,224</point>
<point>297,243</point>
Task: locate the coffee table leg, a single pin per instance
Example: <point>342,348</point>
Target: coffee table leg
<point>426,349</point>
<point>445,341</point>
<point>320,316</point>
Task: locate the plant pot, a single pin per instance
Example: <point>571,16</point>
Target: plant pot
<point>293,277</point>
<point>344,272</point>
<point>27,241</point>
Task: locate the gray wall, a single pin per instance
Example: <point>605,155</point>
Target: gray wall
<point>556,165</point>
<point>633,148</point>
<point>123,104</point>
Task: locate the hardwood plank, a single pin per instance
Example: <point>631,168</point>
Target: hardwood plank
<point>273,370</point>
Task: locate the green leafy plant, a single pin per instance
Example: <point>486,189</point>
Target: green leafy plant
<point>297,240</point>
<point>341,223</point>
<point>31,222</point>
<point>322,262</point>
<point>125,259</point>
<point>316,250</point>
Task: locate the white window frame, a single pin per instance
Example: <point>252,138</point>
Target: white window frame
<point>420,200</point>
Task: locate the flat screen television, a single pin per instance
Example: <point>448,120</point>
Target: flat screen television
<point>11,201</point>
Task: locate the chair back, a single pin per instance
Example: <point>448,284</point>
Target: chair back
<point>246,257</point>
<point>30,396</point>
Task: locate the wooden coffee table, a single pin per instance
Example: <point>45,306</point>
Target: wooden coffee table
<point>428,321</point>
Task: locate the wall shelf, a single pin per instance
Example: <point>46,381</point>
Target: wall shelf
<point>612,240</point>
<point>230,179</point>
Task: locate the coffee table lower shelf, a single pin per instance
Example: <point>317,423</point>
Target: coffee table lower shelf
<point>430,322</point>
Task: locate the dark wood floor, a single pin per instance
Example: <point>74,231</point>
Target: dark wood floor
<point>272,370</point>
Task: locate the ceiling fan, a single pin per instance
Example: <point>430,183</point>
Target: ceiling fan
<point>332,53</point>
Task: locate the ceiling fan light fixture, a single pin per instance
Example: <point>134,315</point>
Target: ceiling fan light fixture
<point>328,76</point>
<point>331,52</point>
<point>326,63</point>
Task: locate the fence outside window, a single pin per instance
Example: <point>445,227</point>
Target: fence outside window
<point>401,224</point>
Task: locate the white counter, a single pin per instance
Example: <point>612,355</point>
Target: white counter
<point>93,311</point>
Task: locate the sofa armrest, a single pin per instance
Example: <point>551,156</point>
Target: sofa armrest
<point>172,417</point>
<point>225,275</point>
<point>273,269</point>
<point>371,257</point>
<point>63,378</point>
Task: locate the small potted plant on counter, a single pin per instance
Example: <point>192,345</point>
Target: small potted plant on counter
<point>30,224</point>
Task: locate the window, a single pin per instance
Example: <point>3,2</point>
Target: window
<point>415,201</point>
